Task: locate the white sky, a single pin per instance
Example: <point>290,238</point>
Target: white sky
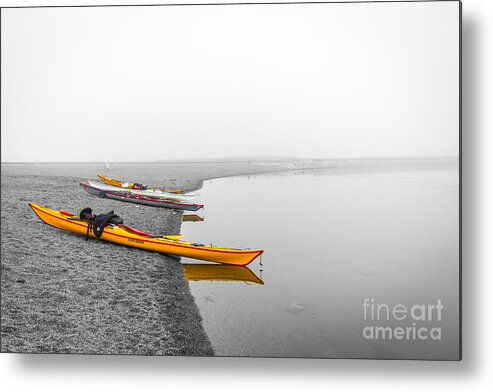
<point>151,83</point>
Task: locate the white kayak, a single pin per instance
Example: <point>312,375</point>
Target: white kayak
<point>150,193</point>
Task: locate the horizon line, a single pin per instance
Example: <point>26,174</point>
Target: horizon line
<point>229,160</point>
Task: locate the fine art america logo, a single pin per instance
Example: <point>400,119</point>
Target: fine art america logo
<point>401,322</point>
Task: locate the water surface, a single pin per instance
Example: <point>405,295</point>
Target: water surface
<point>331,240</point>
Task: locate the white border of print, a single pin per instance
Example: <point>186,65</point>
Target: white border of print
<point>83,373</point>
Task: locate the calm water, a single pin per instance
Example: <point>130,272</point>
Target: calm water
<point>330,241</point>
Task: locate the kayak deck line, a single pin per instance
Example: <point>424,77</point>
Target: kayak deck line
<point>128,236</point>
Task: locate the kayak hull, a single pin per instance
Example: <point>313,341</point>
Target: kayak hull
<point>130,185</point>
<point>142,200</point>
<point>130,237</point>
<point>149,193</point>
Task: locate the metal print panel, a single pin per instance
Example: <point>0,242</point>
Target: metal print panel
<point>266,180</point>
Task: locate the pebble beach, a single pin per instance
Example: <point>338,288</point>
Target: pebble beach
<point>62,294</point>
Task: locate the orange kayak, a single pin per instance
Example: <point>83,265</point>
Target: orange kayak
<point>134,185</point>
<point>128,236</point>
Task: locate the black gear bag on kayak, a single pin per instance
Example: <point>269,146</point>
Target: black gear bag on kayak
<point>98,222</point>
<point>103,220</point>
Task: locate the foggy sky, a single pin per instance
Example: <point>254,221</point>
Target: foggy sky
<point>152,83</point>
